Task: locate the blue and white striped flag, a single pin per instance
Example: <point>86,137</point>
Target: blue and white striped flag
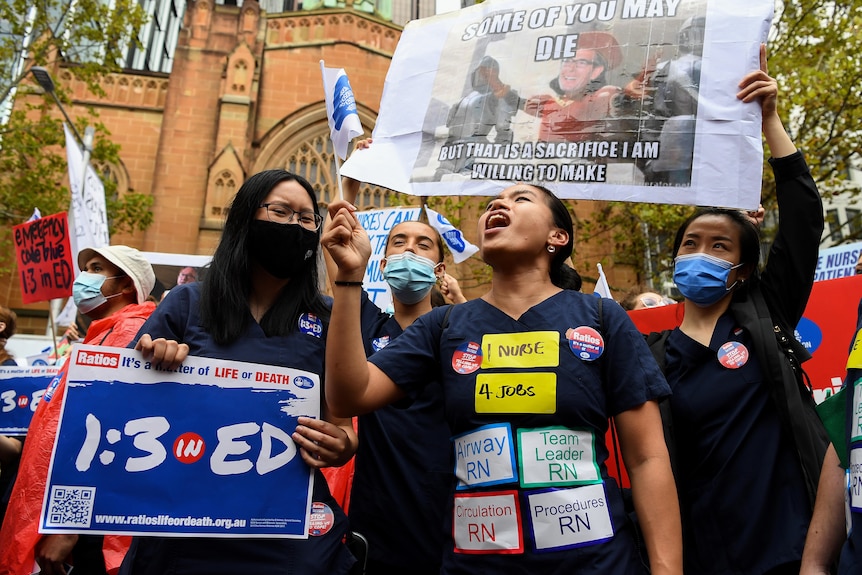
<point>344,123</point>
<point>461,249</point>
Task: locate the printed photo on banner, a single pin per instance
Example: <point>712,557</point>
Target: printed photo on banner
<point>141,450</point>
<point>616,99</point>
<point>21,388</point>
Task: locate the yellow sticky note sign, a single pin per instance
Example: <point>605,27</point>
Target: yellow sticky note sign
<point>516,393</point>
<point>854,361</point>
<point>529,349</point>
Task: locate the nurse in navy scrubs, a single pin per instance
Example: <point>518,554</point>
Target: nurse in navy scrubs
<point>747,440</point>
<point>529,374</point>
<point>259,302</point>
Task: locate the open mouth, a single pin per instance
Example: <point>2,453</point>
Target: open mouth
<point>497,220</point>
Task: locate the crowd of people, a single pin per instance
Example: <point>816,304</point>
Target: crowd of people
<point>480,443</point>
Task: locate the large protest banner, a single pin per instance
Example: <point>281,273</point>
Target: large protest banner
<point>44,258</point>
<point>21,388</point>
<point>378,223</point>
<point>629,100</point>
<point>201,450</point>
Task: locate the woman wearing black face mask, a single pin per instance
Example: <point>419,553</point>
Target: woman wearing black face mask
<point>259,302</point>
<point>747,442</point>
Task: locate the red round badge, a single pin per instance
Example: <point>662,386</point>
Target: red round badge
<point>732,355</point>
<point>467,358</point>
<point>321,520</point>
<point>585,342</point>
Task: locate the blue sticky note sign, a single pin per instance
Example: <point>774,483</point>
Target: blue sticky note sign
<point>141,451</point>
<point>21,389</point>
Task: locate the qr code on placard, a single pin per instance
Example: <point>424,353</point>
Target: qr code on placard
<point>70,506</point>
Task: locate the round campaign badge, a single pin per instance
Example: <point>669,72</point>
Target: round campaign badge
<point>309,324</point>
<point>733,355</point>
<point>585,342</point>
<point>379,343</point>
<point>321,520</point>
<point>467,358</point>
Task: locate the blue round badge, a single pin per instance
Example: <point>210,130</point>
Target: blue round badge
<point>309,324</point>
<point>732,355</point>
<point>808,334</point>
<point>303,382</point>
<point>586,342</point>
<point>467,358</point>
<point>379,343</point>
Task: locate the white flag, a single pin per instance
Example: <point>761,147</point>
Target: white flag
<point>88,218</point>
<point>461,249</point>
<point>602,288</point>
<point>344,123</point>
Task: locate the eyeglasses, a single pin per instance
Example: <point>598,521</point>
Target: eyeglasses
<point>283,214</point>
<point>649,301</point>
<point>580,62</point>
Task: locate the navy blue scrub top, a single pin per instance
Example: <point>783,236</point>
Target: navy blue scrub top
<point>178,318</point>
<point>743,497</point>
<point>583,394</point>
<point>403,477</point>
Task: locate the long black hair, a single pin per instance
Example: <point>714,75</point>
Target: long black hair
<point>226,286</point>
<point>749,236</point>
<point>562,220</point>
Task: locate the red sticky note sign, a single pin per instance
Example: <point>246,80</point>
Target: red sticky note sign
<point>44,258</point>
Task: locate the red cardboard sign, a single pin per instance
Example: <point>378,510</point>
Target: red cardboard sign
<point>44,258</point>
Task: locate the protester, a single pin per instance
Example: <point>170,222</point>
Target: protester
<point>747,442</point>
<point>828,537</point>
<point>259,302</point>
<point>402,474</point>
<point>8,319</point>
<point>112,290</point>
<point>571,386</point>
<point>639,298</point>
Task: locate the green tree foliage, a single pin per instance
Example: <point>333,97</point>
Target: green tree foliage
<point>88,38</point>
<point>815,52</point>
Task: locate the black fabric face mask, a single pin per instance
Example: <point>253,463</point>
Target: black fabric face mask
<point>283,250</point>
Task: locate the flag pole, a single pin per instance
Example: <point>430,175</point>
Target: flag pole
<point>340,195</point>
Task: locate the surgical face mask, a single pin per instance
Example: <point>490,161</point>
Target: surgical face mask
<point>702,278</point>
<point>410,277</point>
<point>87,291</point>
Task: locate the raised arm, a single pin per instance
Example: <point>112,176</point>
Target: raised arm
<point>353,386</point>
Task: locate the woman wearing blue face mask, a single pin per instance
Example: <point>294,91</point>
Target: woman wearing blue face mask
<point>746,441</point>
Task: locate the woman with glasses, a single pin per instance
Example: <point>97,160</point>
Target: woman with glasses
<point>258,302</point>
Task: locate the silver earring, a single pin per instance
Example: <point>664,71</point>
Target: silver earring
<point>551,249</point>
